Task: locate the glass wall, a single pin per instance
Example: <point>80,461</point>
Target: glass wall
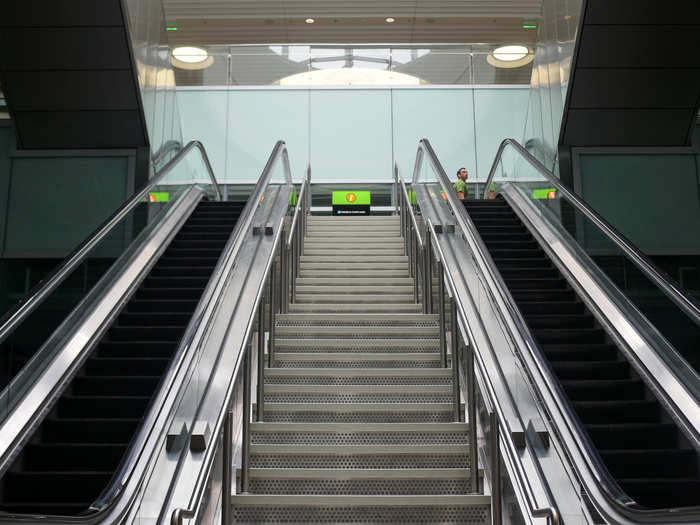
<point>351,134</point>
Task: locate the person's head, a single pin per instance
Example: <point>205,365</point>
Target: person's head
<point>462,174</point>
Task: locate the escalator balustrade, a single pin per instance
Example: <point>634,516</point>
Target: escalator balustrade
<point>639,444</point>
<point>77,449</point>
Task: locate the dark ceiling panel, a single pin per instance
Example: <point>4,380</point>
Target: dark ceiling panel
<point>635,88</point>
<point>26,49</point>
<point>620,127</point>
<point>81,130</point>
<point>57,13</point>
<point>638,46</point>
<point>642,12</point>
<point>72,90</point>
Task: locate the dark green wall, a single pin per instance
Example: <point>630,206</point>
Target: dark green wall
<point>49,204</point>
<point>654,199</point>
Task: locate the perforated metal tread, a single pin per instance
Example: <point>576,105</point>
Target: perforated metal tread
<point>383,447</point>
<point>465,509</point>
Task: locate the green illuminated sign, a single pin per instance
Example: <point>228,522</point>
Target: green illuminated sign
<point>349,198</point>
<point>172,28</point>
<point>159,196</point>
<point>529,24</point>
<point>545,193</point>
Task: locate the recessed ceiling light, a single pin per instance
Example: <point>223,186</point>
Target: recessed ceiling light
<point>390,20</point>
<point>188,57</point>
<point>510,56</point>
<point>191,55</point>
<point>310,20</point>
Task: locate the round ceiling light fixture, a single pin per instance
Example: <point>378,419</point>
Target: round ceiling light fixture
<point>390,19</point>
<point>309,20</point>
<point>189,57</point>
<point>510,56</point>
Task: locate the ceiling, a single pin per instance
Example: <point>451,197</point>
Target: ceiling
<point>210,22</point>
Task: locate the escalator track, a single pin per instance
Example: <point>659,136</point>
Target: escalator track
<point>644,451</point>
<point>75,452</point>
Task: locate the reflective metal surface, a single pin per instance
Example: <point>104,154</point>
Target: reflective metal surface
<point>583,463</point>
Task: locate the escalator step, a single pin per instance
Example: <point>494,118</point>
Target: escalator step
<point>649,436</point>
<point>669,463</point>
<point>526,244</point>
<point>634,411</point>
<point>556,320</point>
<point>54,487</point>
<point>527,273</point>
<point>169,293</point>
<point>573,335</point>
<point>208,262</point>
<point>534,308</point>
<point>126,349</point>
<point>162,305</point>
<point>176,282</point>
<point>146,333</point>
<point>193,253</point>
<point>535,284</point>
<point>209,244</point>
<point>177,271</point>
<point>580,352</point>
<point>112,366</point>
<point>114,386</point>
<point>591,369</point>
<point>543,295</point>
<point>154,319</point>
<point>602,389</point>
<point>509,261</point>
<point>93,430</point>
<point>71,457</point>
<point>116,407</point>
<point>662,493</point>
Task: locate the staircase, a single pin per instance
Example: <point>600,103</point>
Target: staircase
<point>357,422</point>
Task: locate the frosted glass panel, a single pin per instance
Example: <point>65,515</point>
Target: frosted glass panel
<point>500,114</point>
<point>351,135</point>
<point>258,119</point>
<point>203,115</point>
<point>445,117</point>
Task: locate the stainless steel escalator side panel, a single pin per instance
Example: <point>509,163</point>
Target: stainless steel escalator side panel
<point>83,328</point>
<point>641,341</point>
<point>547,468</point>
<point>228,334</point>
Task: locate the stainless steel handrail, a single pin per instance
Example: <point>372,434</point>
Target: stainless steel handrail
<point>459,322</point>
<point>607,486</point>
<point>242,366</point>
<point>297,209</point>
<point>689,305</point>
<point>13,318</point>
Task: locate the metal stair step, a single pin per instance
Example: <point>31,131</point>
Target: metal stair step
<point>349,288</point>
<point>358,376</point>
<point>357,265</point>
<point>359,481</point>
<point>275,393</point>
<point>353,273</point>
<point>340,298</point>
<point>292,319</point>
<point>356,331</point>
<point>358,360</point>
<point>367,259</point>
<point>365,308</point>
<point>344,249</point>
<point>353,434</point>
<point>464,509</point>
<point>349,280</point>
<point>349,240</point>
<point>391,411</point>
<point>357,344</point>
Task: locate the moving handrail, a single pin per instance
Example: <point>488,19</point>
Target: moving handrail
<point>276,299</point>
<point>143,447</point>
<point>461,331</point>
<point>689,305</point>
<point>599,476</point>
<point>30,302</point>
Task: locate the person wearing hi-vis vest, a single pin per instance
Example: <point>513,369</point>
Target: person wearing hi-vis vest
<point>461,184</point>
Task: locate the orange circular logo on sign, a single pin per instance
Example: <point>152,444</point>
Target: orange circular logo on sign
<point>552,195</point>
<point>351,197</point>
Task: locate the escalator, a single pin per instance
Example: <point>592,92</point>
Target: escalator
<point>76,450</point>
<point>642,448</point>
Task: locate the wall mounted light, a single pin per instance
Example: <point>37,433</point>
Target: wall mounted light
<point>390,20</point>
<point>309,20</point>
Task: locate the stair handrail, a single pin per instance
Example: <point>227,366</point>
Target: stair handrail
<point>687,303</point>
<point>548,511</point>
<point>294,244</point>
<point>607,486</point>
<point>36,296</point>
